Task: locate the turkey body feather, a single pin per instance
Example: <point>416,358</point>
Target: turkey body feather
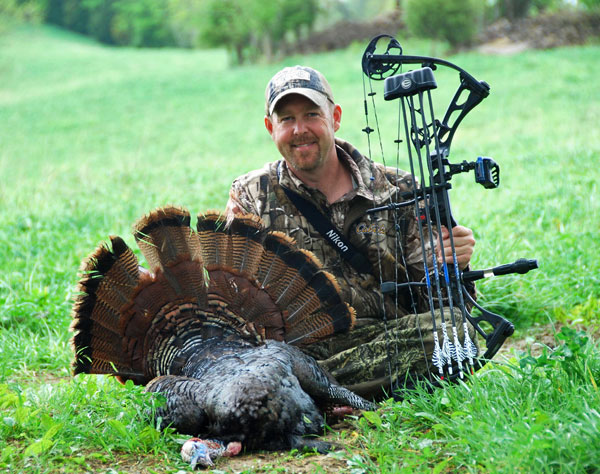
<point>212,327</point>
<point>254,395</point>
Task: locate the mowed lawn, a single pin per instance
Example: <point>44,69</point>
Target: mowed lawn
<point>92,137</point>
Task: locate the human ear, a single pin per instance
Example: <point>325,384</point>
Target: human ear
<point>269,124</point>
<point>337,117</point>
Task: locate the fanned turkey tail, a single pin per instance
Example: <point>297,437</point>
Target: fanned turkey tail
<point>235,283</point>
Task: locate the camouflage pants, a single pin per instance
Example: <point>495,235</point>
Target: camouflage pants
<point>363,359</point>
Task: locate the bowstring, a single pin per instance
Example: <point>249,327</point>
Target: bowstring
<point>368,131</point>
<point>398,243</point>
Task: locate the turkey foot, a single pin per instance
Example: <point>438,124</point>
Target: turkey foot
<point>204,452</point>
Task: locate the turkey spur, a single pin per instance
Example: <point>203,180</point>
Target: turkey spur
<point>212,327</point>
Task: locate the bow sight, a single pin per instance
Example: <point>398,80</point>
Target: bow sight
<point>428,143</point>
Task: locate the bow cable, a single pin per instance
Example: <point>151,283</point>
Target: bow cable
<point>393,372</point>
<point>392,199</point>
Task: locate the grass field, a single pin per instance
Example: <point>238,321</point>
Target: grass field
<point>93,137</point>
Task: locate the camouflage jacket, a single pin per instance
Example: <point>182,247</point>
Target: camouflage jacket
<point>375,235</point>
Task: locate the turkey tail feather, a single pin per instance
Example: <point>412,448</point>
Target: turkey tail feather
<point>322,291</point>
<point>272,266</point>
<point>294,279</point>
<point>320,324</point>
<point>215,241</point>
<point>247,236</point>
<point>165,237</point>
<point>110,279</point>
<point>236,282</point>
<point>172,249</point>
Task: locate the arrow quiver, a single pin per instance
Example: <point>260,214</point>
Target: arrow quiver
<point>427,141</point>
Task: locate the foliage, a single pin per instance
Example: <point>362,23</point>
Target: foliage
<point>73,16</point>
<point>101,14</point>
<point>455,21</point>
<point>591,4</point>
<point>15,11</point>
<point>124,22</point>
<point>228,23</point>
<point>141,23</point>
<point>185,20</point>
<point>514,9</point>
<point>246,28</point>
<point>357,10</point>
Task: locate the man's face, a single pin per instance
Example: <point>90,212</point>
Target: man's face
<point>304,132</point>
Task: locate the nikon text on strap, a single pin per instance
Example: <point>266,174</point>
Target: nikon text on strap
<point>331,234</point>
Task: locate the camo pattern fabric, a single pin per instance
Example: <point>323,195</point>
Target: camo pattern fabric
<point>379,356</point>
<point>357,357</point>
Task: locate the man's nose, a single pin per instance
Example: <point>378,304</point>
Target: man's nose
<point>299,126</point>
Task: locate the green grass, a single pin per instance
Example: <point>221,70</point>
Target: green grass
<point>93,137</point>
<point>80,425</point>
<point>533,415</point>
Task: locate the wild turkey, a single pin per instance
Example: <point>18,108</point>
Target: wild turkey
<point>211,327</point>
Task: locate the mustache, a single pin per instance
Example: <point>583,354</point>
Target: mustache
<point>304,139</point>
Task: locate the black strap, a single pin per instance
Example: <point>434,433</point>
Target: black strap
<point>331,234</point>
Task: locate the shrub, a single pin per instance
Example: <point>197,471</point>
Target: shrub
<point>141,23</point>
<point>456,21</point>
<point>591,4</point>
<point>20,10</point>
<point>516,9</point>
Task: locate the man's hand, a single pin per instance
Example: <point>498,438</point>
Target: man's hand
<point>464,243</point>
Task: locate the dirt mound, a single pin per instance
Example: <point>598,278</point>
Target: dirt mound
<point>545,31</point>
<point>343,33</point>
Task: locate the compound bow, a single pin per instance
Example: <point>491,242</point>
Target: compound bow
<point>428,143</point>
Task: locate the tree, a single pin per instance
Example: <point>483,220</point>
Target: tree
<point>515,9</point>
<point>185,21</point>
<point>254,25</point>
<point>101,14</point>
<point>75,16</point>
<point>124,22</point>
<point>54,11</point>
<point>591,4</point>
<point>20,10</point>
<point>141,23</point>
<point>227,23</point>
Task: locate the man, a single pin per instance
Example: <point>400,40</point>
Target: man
<point>360,249</point>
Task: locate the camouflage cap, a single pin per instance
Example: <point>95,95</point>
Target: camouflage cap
<point>298,80</point>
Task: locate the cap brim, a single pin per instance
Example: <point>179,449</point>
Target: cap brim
<point>315,96</point>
